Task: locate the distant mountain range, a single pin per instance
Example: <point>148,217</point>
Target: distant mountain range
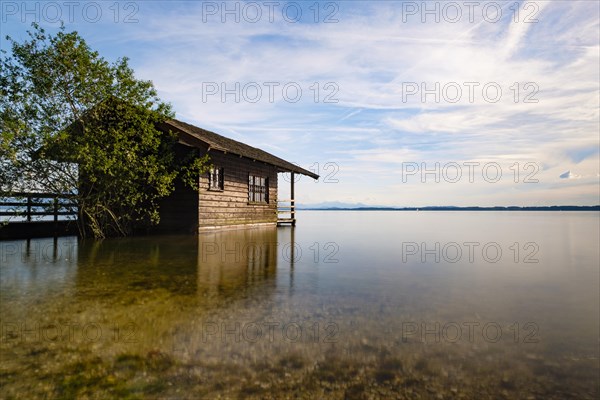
<point>337,205</point>
<point>334,205</point>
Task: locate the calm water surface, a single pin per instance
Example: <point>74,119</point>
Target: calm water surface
<point>346,305</point>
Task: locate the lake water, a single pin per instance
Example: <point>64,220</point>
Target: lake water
<point>358,305</point>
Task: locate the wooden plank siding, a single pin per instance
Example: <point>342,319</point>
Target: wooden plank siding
<point>190,211</point>
<point>230,206</point>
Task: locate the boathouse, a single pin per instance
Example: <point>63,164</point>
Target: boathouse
<point>240,189</point>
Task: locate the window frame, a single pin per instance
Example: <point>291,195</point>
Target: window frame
<point>258,189</point>
<point>220,179</point>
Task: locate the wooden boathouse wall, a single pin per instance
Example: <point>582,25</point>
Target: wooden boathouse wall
<point>187,210</point>
<point>231,206</point>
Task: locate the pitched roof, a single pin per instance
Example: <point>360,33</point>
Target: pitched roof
<point>221,143</point>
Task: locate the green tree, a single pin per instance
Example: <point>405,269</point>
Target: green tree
<point>73,123</point>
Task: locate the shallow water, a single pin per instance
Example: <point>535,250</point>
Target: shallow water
<point>346,305</point>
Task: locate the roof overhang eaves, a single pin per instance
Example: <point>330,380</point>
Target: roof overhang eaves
<point>298,170</point>
<point>279,168</point>
<point>213,146</point>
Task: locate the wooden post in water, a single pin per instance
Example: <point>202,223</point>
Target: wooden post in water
<point>292,203</point>
<point>292,259</point>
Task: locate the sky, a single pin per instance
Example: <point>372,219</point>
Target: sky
<point>392,103</point>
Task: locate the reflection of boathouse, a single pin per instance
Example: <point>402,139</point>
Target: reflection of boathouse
<point>231,260</point>
<point>212,264</point>
<point>209,267</point>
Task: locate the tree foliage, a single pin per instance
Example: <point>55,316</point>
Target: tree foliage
<point>73,123</point>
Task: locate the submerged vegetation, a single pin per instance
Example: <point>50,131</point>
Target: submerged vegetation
<point>383,372</point>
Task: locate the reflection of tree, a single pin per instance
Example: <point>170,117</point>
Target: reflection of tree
<point>218,266</point>
<point>125,265</point>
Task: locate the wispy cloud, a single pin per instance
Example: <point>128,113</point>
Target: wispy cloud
<point>548,112</point>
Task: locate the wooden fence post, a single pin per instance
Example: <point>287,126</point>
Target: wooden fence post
<point>28,208</point>
<point>56,209</point>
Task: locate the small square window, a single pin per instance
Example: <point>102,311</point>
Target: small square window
<point>216,178</point>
